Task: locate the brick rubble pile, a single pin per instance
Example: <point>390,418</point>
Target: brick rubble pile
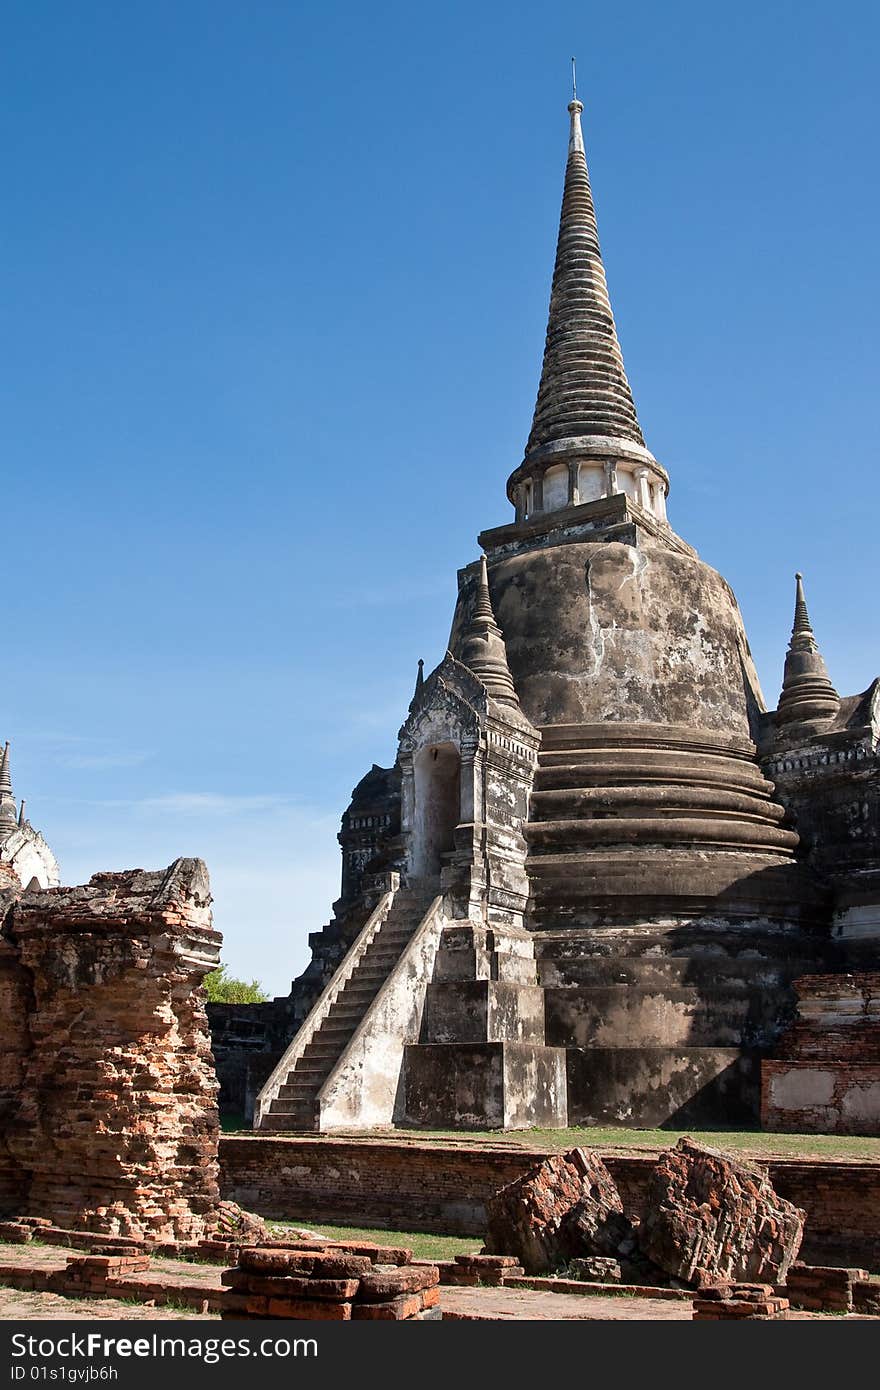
<point>331,1282</point>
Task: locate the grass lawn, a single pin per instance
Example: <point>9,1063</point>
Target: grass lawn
<point>743,1141</point>
<point>424,1244</point>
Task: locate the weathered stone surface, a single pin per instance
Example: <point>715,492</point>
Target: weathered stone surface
<point>114,1124</point>
<point>568,1206</point>
<point>709,1218</point>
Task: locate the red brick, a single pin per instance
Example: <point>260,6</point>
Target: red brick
<point>379,1286</point>
<point>311,1310</point>
<point>396,1308</point>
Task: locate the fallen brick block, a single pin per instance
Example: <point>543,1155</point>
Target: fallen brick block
<point>734,1302</point>
<point>293,1286</point>
<point>261,1260</point>
<point>567,1206</point>
<point>396,1309</point>
<point>16,1232</point>
<point>822,1287</point>
<point>710,1217</point>
<point>379,1286</point>
<point>310,1310</point>
<point>866,1296</point>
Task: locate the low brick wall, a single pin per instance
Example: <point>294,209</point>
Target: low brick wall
<point>425,1186</point>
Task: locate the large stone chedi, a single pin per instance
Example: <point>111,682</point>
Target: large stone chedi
<point>604,901</point>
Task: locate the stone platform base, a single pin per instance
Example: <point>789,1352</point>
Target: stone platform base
<point>657,1086</point>
<point>484,1085</point>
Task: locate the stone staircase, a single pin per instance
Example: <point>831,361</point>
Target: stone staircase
<point>295,1106</point>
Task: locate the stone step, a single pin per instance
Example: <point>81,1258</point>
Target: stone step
<point>336,1030</point>
<point>309,1075</point>
<point>367,973</point>
<point>350,1013</point>
<point>354,1004</point>
<point>294,1120</point>
<point>290,1091</point>
<point>382,959</point>
<point>316,1052</point>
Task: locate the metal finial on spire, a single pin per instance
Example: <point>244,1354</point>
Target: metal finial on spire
<point>574,80</point>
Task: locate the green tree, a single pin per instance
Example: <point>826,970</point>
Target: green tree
<point>222,989</point>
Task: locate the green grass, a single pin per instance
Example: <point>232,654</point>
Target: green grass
<point>746,1141</point>
<point>425,1245</point>
<point>743,1141</point>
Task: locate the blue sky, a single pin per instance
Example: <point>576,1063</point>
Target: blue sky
<point>276,286</point>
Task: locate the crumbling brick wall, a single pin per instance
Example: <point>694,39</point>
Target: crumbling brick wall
<point>825,1074</point>
<point>15,1004</point>
<point>112,1115</point>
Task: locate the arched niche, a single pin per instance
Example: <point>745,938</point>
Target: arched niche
<point>436,806</point>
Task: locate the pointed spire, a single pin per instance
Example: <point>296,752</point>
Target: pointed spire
<point>585,417</point>
<point>21,815</point>
<point>7,801</point>
<point>481,644</point>
<point>807,692</point>
<point>483,607</point>
<point>801,627</point>
<point>420,681</point>
<point>583,389</point>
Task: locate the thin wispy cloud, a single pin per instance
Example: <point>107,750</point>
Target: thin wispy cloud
<point>199,804</point>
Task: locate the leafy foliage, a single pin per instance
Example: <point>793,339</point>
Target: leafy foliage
<point>223,989</point>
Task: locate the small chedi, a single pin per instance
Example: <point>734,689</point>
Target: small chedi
<point>586,888</point>
<point>22,848</point>
<point>107,1084</point>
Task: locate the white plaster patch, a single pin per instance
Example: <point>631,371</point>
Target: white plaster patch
<point>863,1103</point>
<point>802,1088</point>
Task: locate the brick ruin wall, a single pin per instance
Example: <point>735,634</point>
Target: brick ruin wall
<point>824,1077</point>
<point>418,1185</point>
<point>107,1085</point>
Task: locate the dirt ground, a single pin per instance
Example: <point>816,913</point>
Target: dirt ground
<point>54,1307</point>
<point>458,1304</point>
